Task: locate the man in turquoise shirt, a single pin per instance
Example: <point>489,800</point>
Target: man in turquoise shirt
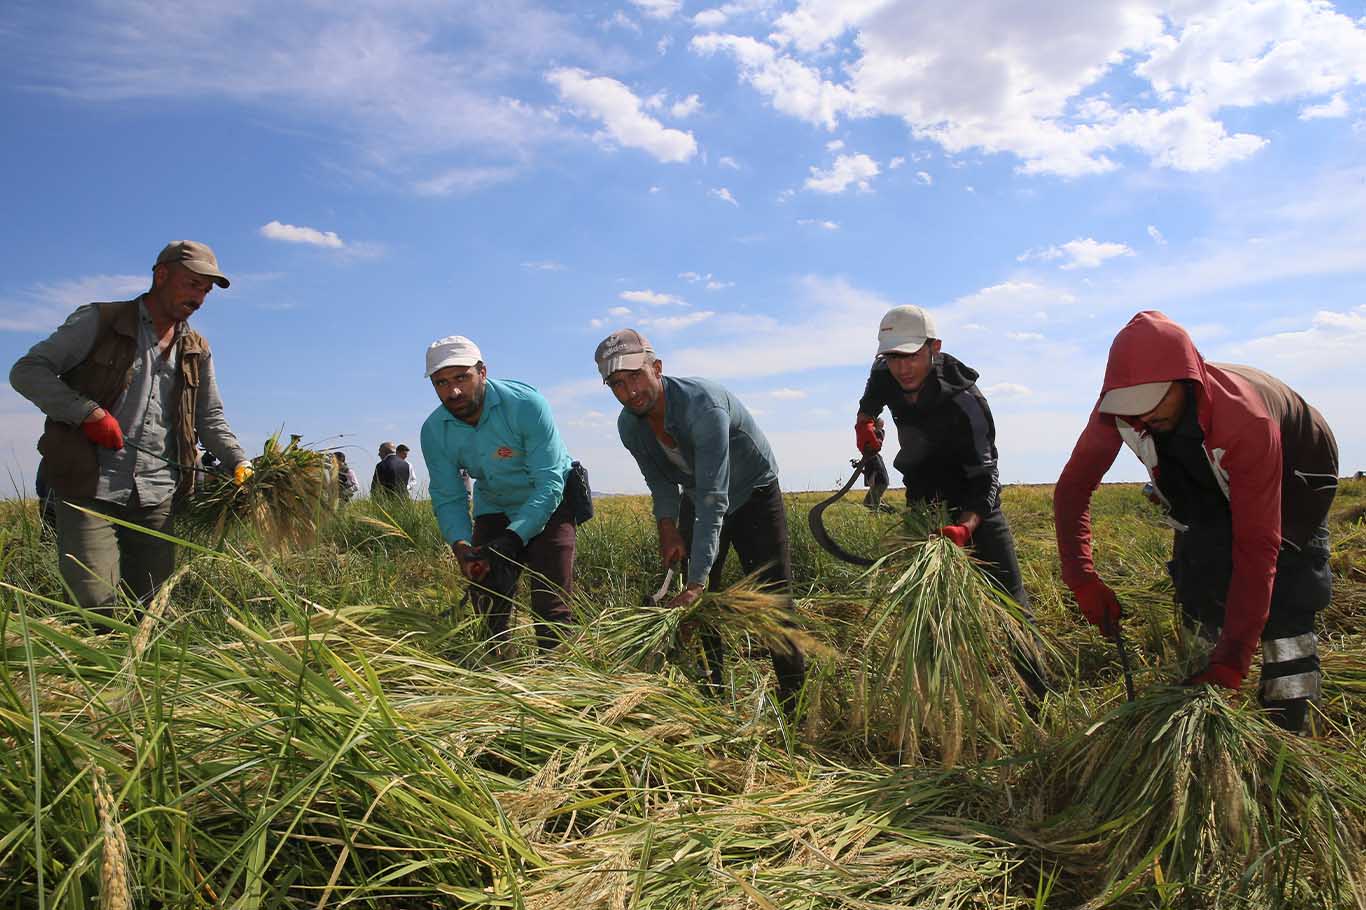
<point>712,478</point>
<point>502,434</point>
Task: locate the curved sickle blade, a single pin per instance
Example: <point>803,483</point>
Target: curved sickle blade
<point>818,526</point>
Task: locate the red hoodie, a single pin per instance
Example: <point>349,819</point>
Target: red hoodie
<point>1263,443</point>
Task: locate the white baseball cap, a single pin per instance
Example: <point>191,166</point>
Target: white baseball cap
<point>904,330</point>
<point>452,351</point>
<point>1133,400</point>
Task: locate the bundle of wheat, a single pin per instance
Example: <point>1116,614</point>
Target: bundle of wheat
<point>747,611</point>
<point>945,650</point>
<point>1186,791</point>
<point>281,504</point>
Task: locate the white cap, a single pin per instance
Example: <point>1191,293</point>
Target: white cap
<point>452,351</point>
<point>1133,400</point>
<point>904,330</point>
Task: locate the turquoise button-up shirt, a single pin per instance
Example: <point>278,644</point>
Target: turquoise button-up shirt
<point>515,453</point>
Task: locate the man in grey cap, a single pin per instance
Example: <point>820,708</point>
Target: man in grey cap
<point>713,480</point>
<point>128,389</point>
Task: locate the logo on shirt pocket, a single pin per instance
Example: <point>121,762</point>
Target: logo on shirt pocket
<point>504,452</point>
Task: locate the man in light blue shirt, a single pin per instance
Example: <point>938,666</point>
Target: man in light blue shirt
<point>502,434</point>
<point>712,478</point>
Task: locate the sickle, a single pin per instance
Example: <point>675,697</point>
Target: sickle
<point>818,526</point>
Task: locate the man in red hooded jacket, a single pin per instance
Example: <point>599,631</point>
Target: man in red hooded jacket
<point>1247,471</point>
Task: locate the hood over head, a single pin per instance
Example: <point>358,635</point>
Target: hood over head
<point>1151,349</point>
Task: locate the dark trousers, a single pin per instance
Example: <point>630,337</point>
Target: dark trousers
<point>96,555</point>
<point>758,531</point>
<point>1202,566</point>
<point>550,558</point>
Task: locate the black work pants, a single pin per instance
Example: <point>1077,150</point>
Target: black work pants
<point>1202,567</point>
<point>550,558</point>
<point>758,531</point>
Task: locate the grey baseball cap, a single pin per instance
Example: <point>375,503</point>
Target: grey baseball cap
<point>624,349</point>
<point>195,256</point>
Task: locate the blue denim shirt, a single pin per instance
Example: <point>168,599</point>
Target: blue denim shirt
<point>515,453</point>
<point>729,455</point>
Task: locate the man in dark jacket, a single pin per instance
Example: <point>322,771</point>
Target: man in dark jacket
<point>129,391</point>
<point>946,438</point>
<point>392,473</point>
<point>947,446</point>
<point>1247,470</point>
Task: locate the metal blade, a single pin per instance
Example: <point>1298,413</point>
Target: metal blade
<point>818,526</point>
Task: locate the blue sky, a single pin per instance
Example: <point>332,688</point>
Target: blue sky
<point>750,184</point>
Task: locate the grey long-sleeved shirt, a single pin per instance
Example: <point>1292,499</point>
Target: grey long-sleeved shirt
<point>146,411</point>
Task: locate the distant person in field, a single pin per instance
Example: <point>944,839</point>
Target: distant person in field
<point>946,445</point>
<point>402,452</point>
<point>501,433</point>
<point>129,391</point>
<point>875,476</point>
<point>392,474</point>
<point>1247,470</point>
<point>348,484</point>
<point>713,481</point>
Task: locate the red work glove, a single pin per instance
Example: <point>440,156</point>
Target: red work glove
<point>1098,604</point>
<point>865,437</point>
<point>104,432</point>
<point>959,534</point>
<point>1217,675</point>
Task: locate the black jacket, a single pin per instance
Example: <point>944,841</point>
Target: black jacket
<point>947,438</point>
<point>391,475</point>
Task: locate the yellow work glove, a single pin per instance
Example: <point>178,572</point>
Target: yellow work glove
<point>241,473</point>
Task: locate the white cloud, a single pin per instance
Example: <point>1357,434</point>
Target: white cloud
<point>1156,235</point>
<point>43,307</point>
<point>786,394</point>
<point>710,19</point>
<point>790,86</point>
<point>923,178</point>
<point>1007,390</point>
<point>970,74</point>
<point>652,298</point>
<point>620,112</point>
<point>671,323</point>
<point>723,194</point>
<point>896,162</point>
<point>400,85</point>
<point>658,9</point>
<point>543,265</point>
<point>708,281</point>
<point>1333,107</point>
<point>289,233</point>
<point>654,189</point>
<point>816,222</point>
<point>462,180</point>
<point>1024,336</point>
<point>858,170</point>
<point>728,161</point>
<point>827,325</point>
<point>619,311</point>
<point>834,145</point>
<point>622,21</point>
<point>1082,253</point>
<point>685,107</point>
<point>1335,340</point>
